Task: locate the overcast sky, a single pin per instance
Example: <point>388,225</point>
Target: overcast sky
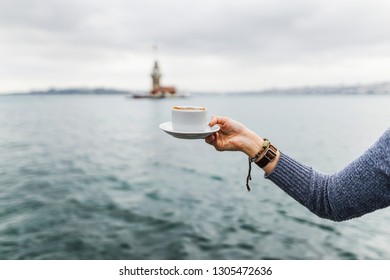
<point>213,45</point>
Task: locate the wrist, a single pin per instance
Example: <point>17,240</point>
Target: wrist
<point>253,144</point>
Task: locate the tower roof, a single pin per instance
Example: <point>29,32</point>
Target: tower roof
<point>156,69</point>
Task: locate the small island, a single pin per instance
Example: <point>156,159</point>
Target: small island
<point>159,91</point>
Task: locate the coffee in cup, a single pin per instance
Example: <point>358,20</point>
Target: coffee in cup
<point>189,118</point>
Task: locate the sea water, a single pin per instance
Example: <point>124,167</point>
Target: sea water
<point>93,177</point>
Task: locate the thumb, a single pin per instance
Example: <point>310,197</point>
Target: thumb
<point>213,121</point>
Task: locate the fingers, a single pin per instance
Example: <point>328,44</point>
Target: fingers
<point>210,139</point>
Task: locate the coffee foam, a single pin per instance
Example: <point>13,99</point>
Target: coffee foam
<point>189,108</point>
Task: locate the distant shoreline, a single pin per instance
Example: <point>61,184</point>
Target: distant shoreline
<point>71,91</point>
<point>365,89</point>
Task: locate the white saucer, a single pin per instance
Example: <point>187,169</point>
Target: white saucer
<point>167,127</point>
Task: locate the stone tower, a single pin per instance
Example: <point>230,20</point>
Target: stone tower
<point>156,75</point>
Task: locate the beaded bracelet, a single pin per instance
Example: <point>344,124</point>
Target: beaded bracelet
<point>263,148</point>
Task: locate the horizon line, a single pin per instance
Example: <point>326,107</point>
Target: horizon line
<point>211,91</point>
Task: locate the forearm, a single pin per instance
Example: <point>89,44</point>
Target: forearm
<point>304,184</point>
<point>361,187</point>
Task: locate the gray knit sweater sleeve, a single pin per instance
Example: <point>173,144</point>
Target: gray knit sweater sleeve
<point>361,187</point>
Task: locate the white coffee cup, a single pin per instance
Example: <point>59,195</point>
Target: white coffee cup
<point>189,118</point>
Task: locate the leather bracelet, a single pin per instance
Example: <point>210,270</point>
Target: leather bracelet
<point>268,157</point>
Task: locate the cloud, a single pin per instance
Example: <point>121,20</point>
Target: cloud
<point>109,42</point>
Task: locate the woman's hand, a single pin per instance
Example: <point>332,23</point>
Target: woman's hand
<point>234,136</point>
